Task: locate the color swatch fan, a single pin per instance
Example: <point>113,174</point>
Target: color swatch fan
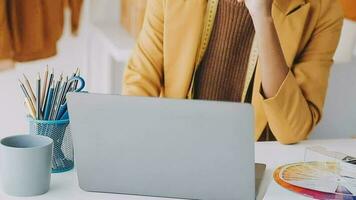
<point>319,180</point>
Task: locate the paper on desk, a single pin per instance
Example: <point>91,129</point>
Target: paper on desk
<point>329,177</point>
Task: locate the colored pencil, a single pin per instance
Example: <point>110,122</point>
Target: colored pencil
<point>47,100</point>
<point>55,95</point>
<point>48,87</point>
<point>24,90</point>
<point>44,89</point>
<point>38,103</point>
<point>49,103</point>
<point>28,102</point>
<point>30,107</point>
<point>29,89</point>
<point>59,98</point>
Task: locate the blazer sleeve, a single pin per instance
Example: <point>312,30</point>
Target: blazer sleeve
<point>143,75</point>
<point>297,107</point>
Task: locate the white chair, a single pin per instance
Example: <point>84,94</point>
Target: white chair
<point>339,119</point>
<point>347,43</point>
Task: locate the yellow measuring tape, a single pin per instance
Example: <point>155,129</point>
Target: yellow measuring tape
<point>208,26</point>
<point>250,68</point>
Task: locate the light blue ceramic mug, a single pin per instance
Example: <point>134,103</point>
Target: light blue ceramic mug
<point>25,162</point>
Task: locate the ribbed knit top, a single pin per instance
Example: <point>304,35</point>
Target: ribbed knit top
<point>221,74</point>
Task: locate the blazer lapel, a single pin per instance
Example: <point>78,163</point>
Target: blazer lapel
<point>289,18</point>
<point>288,6</point>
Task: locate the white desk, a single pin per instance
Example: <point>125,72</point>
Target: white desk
<point>275,155</point>
<point>65,186</point>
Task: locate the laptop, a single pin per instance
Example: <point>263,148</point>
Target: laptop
<point>187,149</point>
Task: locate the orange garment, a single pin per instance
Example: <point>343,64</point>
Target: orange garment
<point>29,30</point>
<point>349,9</point>
<point>75,7</point>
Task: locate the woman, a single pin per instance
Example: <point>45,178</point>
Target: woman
<point>275,54</point>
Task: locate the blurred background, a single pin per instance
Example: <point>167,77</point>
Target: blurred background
<point>98,37</point>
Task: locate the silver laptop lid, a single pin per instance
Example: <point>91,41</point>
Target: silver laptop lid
<point>161,147</point>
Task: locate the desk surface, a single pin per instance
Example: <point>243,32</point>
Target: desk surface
<point>65,185</point>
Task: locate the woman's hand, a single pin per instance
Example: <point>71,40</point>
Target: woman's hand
<point>259,8</point>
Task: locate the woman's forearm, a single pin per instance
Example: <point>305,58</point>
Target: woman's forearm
<point>274,68</point>
<point>273,65</point>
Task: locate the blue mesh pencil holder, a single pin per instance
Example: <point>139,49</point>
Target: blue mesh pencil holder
<point>59,131</point>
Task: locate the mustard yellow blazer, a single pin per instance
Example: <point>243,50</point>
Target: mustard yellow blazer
<point>175,36</point>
